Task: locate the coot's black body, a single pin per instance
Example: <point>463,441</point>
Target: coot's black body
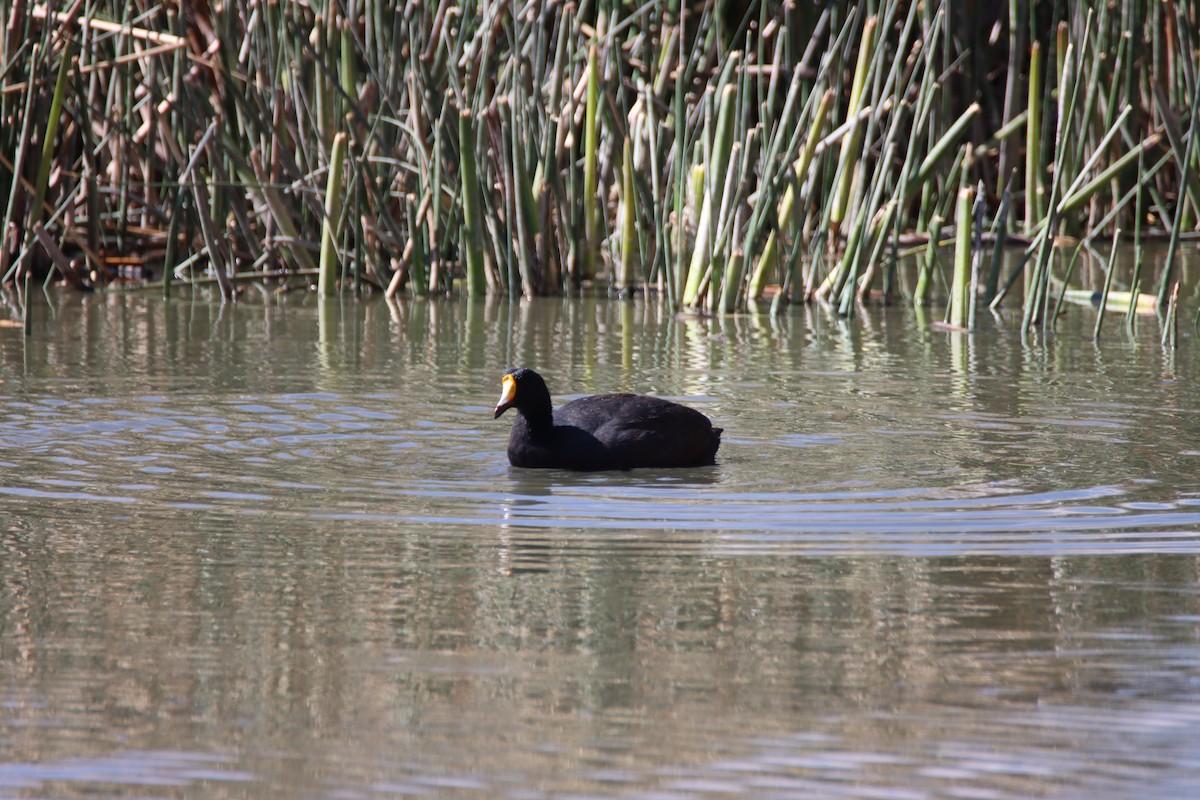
<point>604,431</point>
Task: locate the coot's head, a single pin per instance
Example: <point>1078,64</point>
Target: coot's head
<point>524,390</point>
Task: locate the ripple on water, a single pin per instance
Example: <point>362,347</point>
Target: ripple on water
<point>351,593</point>
<point>147,768</point>
<point>996,520</point>
<point>386,468</point>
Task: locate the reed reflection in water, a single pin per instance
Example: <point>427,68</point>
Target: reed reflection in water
<point>271,550</point>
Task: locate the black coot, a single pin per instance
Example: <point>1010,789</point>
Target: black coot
<point>604,431</point>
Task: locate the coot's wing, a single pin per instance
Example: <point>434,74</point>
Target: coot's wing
<point>594,412</point>
<point>642,431</point>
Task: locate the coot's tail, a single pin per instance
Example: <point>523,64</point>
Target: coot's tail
<point>711,456</point>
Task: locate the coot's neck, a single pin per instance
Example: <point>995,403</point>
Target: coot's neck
<point>535,407</point>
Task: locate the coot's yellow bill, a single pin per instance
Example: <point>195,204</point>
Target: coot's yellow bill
<point>508,393</point>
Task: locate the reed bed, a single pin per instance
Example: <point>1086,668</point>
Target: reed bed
<point>718,154</point>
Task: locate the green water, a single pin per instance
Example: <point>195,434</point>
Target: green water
<point>276,551</point>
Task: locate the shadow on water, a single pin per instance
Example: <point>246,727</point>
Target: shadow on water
<point>261,551</point>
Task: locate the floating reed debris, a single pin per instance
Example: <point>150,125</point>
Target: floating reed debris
<point>538,148</point>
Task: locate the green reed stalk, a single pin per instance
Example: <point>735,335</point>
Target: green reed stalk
<point>281,215</point>
<point>852,143</point>
<point>1185,177</point>
<point>526,216</point>
<point>26,304</point>
<point>1145,185</point>
<point>1072,202</point>
<point>1011,87</point>
<point>979,209</point>
<point>928,264</point>
<point>348,71</point>
<point>1067,293</point>
<point>718,165</point>
<point>787,211</point>
<point>591,162</point>
<point>330,263</point>
<point>284,78</point>
<point>727,221</point>
<point>1039,295</point>
<point>418,269</point>
<point>1176,135</point>
<point>1062,34</point>
<point>845,276</point>
<point>945,145</point>
<point>209,232</point>
<point>1110,270</point>
<point>1034,193</point>
<point>170,256</point>
<point>858,240</point>
<point>472,235</point>
<point>24,145</point>
<point>680,115</point>
<point>993,277</point>
<point>658,205</point>
<point>960,297</point>
<point>1170,334</point>
<point>769,198</point>
<point>881,241</point>
<point>323,94</point>
<point>1091,82</point>
<point>1135,280</point>
<point>731,285</point>
<point>50,136</point>
<point>1113,129</point>
<point>629,239</point>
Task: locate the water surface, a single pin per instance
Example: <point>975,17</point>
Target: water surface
<point>271,550</point>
